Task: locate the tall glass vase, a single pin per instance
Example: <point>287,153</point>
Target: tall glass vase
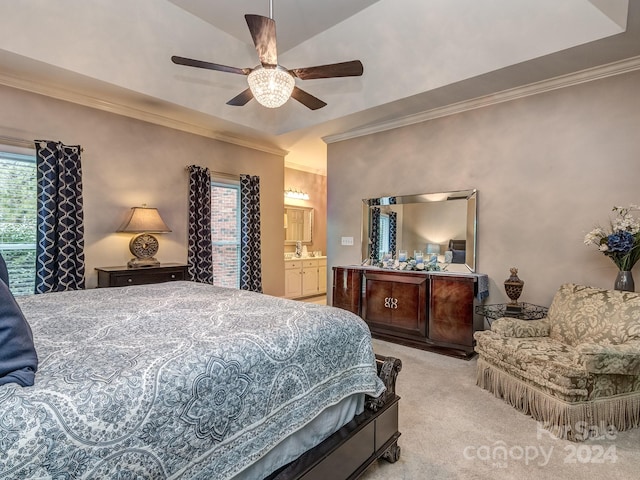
<point>624,282</point>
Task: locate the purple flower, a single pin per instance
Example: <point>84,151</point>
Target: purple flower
<point>621,242</point>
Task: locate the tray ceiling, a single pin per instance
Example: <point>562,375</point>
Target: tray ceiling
<point>417,55</point>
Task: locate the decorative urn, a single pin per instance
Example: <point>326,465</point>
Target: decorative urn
<point>513,286</point>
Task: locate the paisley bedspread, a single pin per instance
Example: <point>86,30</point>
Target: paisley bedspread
<point>174,380</point>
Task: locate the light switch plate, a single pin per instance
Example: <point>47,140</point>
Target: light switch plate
<point>347,241</point>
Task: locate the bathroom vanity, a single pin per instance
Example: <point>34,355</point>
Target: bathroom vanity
<point>305,277</point>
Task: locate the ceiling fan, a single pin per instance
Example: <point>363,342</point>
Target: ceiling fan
<point>270,83</point>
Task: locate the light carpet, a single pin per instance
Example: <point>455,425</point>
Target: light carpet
<point>452,429</point>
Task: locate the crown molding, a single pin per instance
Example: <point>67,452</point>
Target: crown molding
<point>583,76</point>
<point>60,93</point>
<point>576,78</point>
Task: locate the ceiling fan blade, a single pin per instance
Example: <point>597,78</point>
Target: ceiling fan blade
<point>241,99</point>
<point>353,68</point>
<point>307,99</point>
<point>263,32</point>
<point>189,62</point>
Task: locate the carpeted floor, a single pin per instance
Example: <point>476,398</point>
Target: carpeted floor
<point>320,300</point>
<point>452,429</point>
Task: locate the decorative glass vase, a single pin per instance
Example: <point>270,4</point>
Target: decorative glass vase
<point>624,282</point>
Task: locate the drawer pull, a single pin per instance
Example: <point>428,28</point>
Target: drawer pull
<point>173,275</point>
<point>130,280</point>
<point>390,302</point>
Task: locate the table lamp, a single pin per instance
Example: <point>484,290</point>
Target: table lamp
<point>433,248</point>
<point>144,221</point>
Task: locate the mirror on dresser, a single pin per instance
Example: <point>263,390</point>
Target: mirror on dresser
<point>425,222</point>
<point>298,225</point>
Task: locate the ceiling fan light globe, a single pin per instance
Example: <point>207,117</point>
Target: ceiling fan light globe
<point>271,87</point>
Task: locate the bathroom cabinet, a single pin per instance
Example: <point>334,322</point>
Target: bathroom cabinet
<point>305,277</point>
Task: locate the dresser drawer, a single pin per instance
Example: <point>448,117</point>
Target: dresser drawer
<point>145,278</point>
<point>122,276</point>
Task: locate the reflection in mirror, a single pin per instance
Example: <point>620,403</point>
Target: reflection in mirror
<point>298,224</point>
<point>441,223</point>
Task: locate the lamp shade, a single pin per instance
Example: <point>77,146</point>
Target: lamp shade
<point>144,220</point>
<point>433,248</point>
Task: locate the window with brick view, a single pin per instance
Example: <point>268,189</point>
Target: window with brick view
<point>225,233</point>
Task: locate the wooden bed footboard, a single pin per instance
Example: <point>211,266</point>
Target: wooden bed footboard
<point>347,453</point>
<point>388,369</point>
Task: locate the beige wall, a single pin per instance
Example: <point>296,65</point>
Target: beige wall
<point>316,186</point>
<point>128,162</point>
<point>548,168</point>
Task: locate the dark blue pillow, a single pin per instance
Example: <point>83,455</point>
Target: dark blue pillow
<point>458,256</point>
<point>18,358</point>
<point>4,273</point>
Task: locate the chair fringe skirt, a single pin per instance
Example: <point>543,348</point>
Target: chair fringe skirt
<point>575,421</point>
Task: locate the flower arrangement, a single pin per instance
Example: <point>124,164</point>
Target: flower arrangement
<point>621,242</point>
<point>411,264</point>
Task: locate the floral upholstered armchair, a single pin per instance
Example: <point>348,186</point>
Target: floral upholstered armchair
<point>577,371</point>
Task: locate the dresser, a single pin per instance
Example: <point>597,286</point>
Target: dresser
<point>428,310</point>
<point>305,277</point>
<point>123,276</point>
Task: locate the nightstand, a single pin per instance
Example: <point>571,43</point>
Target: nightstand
<point>123,276</point>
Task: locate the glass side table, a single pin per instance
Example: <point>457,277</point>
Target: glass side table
<point>499,310</point>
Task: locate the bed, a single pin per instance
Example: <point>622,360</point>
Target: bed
<point>185,380</point>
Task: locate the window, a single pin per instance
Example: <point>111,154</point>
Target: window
<point>18,211</point>
<point>225,233</point>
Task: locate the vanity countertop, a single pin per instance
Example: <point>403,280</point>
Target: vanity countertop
<point>308,257</point>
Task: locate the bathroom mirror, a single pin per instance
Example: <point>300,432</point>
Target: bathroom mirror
<point>298,224</point>
<point>425,222</point>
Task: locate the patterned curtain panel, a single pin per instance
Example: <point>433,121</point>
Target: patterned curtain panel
<point>375,234</point>
<point>60,237</point>
<point>393,223</point>
<point>250,261</point>
<point>200,250</point>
